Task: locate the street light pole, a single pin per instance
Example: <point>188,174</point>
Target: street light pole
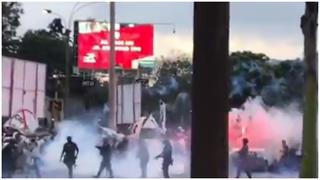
<point>112,81</point>
<point>67,69</point>
<point>67,48</point>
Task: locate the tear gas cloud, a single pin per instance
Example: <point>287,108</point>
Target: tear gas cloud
<point>265,127</point>
<point>85,134</point>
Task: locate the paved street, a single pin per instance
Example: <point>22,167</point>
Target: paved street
<point>62,173</point>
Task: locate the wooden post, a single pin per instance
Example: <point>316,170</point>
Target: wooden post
<point>309,168</point>
<point>209,149</point>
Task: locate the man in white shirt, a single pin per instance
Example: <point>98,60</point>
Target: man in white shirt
<point>163,117</point>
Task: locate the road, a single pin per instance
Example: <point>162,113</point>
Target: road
<point>62,173</point>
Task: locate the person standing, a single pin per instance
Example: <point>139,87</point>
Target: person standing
<point>163,116</point>
<point>69,155</point>
<point>32,158</point>
<point>9,157</point>
<point>105,152</point>
<point>284,153</point>
<point>243,164</point>
<point>167,158</point>
<point>143,155</point>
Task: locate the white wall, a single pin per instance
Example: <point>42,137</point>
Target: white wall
<point>24,88</point>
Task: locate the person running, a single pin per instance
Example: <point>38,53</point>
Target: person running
<point>69,155</point>
<point>32,158</point>
<point>243,164</point>
<point>105,152</point>
<point>167,158</point>
<point>143,155</point>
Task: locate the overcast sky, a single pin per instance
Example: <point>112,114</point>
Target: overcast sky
<point>271,28</point>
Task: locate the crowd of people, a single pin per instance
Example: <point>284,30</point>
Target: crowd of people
<point>244,160</point>
<point>22,153</point>
<point>70,153</point>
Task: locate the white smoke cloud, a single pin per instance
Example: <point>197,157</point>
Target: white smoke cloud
<point>86,137</point>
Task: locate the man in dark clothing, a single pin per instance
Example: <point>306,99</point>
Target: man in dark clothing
<point>105,152</point>
<point>69,154</point>
<point>167,158</point>
<point>243,163</point>
<point>284,153</point>
<point>285,149</point>
<point>143,155</point>
<point>9,157</point>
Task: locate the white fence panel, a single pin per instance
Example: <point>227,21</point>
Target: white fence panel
<point>6,72</point>
<point>5,102</point>
<point>29,84</point>
<point>6,84</point>
<point>30,76</point>
<point>128,103</point>
<point>119,104</point>
<point>17,99</point>
<point>18,74</point>
<point>29,100</point>
<point>137,101</point>
<point>41,108</point>
<point>41,77</point>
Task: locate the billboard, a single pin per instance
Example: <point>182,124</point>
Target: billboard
<point>132,41</point>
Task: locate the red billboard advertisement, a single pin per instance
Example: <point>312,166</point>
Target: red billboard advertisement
<point>132,42</point>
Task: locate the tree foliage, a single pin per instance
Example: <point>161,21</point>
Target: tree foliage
<point>44,47</point>
<point>56,27</point>
<point>253,74</point>
<point>11,12</point>
<point>248,55</point>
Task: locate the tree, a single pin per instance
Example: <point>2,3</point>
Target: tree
<point>44,47</point>
<point>248,55</point>
<point>11,12</point>
<point>56,27</point>
<point>309,20</point>
<point>209,149</point>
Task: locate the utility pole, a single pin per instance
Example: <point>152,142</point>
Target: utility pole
<point>67,69</point>
<point>112,80</point>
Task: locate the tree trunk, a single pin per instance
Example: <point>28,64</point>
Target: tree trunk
<point>309,168</point>
<point>210,91</point>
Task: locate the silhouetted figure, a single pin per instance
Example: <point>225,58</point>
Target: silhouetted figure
<point>9,157</point>
<point>284,153</point>
<point>69,154</point>
<point>32,158</point>
<point>167,158</point>
<point>243,163</point>
<point>122,147</point>
<point>163,116</point>
<point>105,152</point>
<point>143,155</point>
<point>285,150</point>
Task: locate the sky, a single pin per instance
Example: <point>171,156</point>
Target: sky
<point>271,28</point>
